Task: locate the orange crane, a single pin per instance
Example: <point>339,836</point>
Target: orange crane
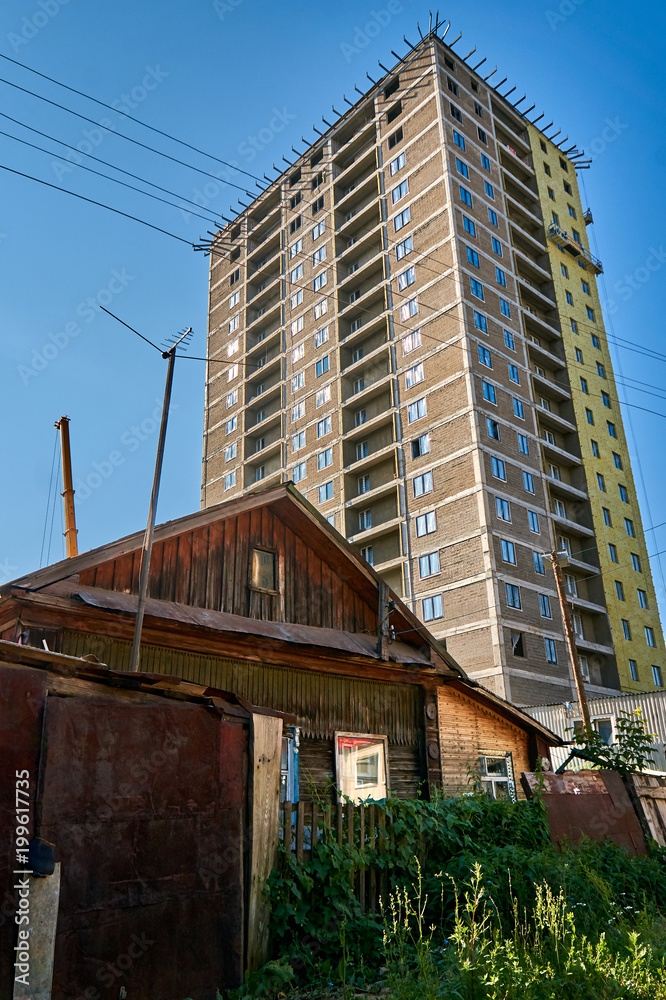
<point>68,489</point>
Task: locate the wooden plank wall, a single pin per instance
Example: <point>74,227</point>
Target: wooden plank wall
<point>208,567</point>
<point>467,730</point>
<point>323,703</point>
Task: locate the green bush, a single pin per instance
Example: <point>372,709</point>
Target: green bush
<point>319,928</point>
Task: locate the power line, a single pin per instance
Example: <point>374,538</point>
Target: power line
<point>138,121</point>
<point>98,173</point>
<point>113,166</point>
<point>127,138</point>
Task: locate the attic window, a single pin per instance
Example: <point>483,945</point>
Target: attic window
<point>263,571</point>
<point>392,87</point>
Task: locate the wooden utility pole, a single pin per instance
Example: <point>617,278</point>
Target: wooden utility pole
<point>67,488</point>
<point>170,355</point>
<point>571,640</point>
<point>384,612</point>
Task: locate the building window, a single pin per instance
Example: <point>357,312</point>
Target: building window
<point>407,278</point>
<point>230,480</point>
<point>492,217</point>
<point>596,343</point>
<point>584,386</point>
<point>518,409</point>
<point>422,484</point>
<point>513,374</point>
<point>482,135</point>
<point>234,300</point>
<point>523,444</point>
<point>503,509</point>
<point>595,449</point>
<point>485,357</point>
<point>611,429</point>
<point>656,676</point>
<point>320,308</point>
<point>323,396</point>
<point>626,629</point>
<point>485,162</point>
<point>612,551</point>
<point>488,391</point>
<point>321,367</point>
<point>364,520</point>
<point>551,650</point>
<point>319,255</point>
<point>498,468</point>
<point>361,767</point>
<point>459,140</point>
<point>633,670</point>
<point>232,398</point>
<point>619,590</point>
<point>414,375</point>
<point>319,281</point>
<point>456,113</point>
<point>399,191</point>
<point>589,417</point>
<point>509,341</point>
<point>649,636</point>
<point>462,168</point>
<point>428,565</point>
<point>363,484</point>
<point>533,521</point>
<point>544,606</point>
<point>319,230</point>
<point>607,517</point>
<point>321,336</point>
<point>590,313</point>
<point>401,219</point>
<point>426,524</point>
<point>505,308</point>
<point>508,550</point>
<point>516,640</point>
<point>362,450</point>
<point>490,191</point>
<point>642,599</point>
<point>421,446</point>
<point>395,138</point>
<point>368,554</point>
<point>295,225</point>
<point>318,205</point>
<point>324,459</point>
<point>501,276</point>
<point>326,492</point>
<point>465,196</point>
<point>513,596</point>
<point>605,398</point>
<point>232,424</point>
<point>417,410</point>
<point>469,226</point>
<point>473,257</point>
<point>298,472</point>
<point>528,482</point>
<point>324,427</point>
<point>493,429</point>
<point>480,322</point>
<point>601,482</point>
<point>402,249</point>
<point>298,382</point>
<point>432,608</point>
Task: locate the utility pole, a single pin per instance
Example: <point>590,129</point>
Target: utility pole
<point>68,491</point>
<point>385,608</point>
<point>169,355</point>
<point>571,640</point>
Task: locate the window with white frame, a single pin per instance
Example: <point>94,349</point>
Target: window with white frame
<point>414,375</point>
<point>361,767</point>
<point>323,396</point>
<point>411,341</point>
<point>432,608</point>
<point>426,524</point>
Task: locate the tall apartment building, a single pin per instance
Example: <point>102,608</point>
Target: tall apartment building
<point>406,324</point>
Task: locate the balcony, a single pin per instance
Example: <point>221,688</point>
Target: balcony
<point>531,291</point>
<point>542,354</point>
<point>550,388</point>
<point>361,464</point>
<point>561,455</point>
<point>514,159</point>
<point>524,261</point>
<point>573,247</point>
<point>549,418</point>
<point>516,207</point>
<point>347,169</point>
<point>362,499</point>
<point>373,424</point>
<point>362,537</point>
<point>534,319</point>
<point>362,264</point>
<point>582,604</point>
<point>572,527</point>
<point>568,491</point>
<point>356,242</point>
<point>532,234</point>
<point>355,134</point>
<point>269,311</point>
<point>358,215</point>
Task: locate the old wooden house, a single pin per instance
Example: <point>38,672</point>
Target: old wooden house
<point>260,596</point>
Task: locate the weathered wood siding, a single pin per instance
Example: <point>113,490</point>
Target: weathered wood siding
<point>467,731</point>
<point>317,769</point>
<point>323,703</point>
<point>208,567</point>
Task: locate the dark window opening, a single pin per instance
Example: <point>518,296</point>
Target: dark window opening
<point>394,112</point>
<point>295,178</point>
<point>392,87</point>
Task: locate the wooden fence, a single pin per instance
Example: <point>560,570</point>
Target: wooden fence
<point>358,826</point>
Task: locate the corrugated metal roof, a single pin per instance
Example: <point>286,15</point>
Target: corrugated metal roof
<point>652,705</point>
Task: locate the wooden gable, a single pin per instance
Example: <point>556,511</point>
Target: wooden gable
<point>207,565</point>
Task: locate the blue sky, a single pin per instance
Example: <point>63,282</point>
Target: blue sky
<point>243,80</point>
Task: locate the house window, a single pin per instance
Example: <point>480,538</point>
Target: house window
<point>230,480</point>
<point>509,341</point>
<point>528,482</point>
<point>417,410</point>
<point>426,524</point>
<point>513,374</point>
<point>402,249</point>
<point>523,444</point>
<point>263,570</point>
<point>497,780</point>
<point>619,590</point>
<point>407,278</point>
<point>533,520</point>
<point>488,391</point>
<point>397,164</point>
<point>624,495</point>
<point>459,140</point>
<point>413,376</point>
<point>476,288</point>
<point>399,191</point>
<point>544,606</point>
<point>485,357</point>
<point>364,520</point>
<point>480,322</point>
<point>612,551</point>
<point>465,196</point>
<point>473,257</point>
<point>462,167</point>
<point>361,767</point>
<point>551,650</point>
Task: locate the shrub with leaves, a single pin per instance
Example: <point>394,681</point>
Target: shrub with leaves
<point>631,753</point>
